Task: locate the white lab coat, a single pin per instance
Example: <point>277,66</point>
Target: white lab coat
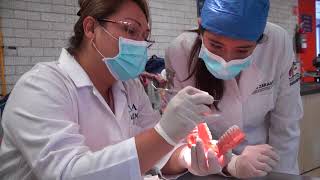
<point>58,126</point>
<point>263,104</point>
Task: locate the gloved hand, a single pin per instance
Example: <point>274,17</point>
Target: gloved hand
<point>184,111</point>
<point>254,161</point>
<point>200,163</point>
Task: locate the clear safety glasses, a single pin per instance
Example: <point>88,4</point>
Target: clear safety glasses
<point>133,30</point>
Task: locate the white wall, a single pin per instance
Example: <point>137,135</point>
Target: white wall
<point>169,19</point>
<point>39,28</point>
<point>281,14</point>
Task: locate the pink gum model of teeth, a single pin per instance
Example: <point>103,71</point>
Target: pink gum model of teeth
<point>228,141</point>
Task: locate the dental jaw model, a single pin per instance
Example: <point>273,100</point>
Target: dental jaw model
<point>228,141</point>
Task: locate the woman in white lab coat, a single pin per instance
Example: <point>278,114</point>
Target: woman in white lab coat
<point>249,65</point>
<point>86,117</point>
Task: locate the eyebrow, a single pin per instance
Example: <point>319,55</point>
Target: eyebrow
<point>245,47</point>
<point>217,42</point>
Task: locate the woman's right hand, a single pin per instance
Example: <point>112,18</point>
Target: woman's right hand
<point>254,161</point>
<point>198,161</point>
<point>184,111</point>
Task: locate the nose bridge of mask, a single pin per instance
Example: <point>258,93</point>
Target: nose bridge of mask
<point>220,68</point>
<point>132,47</point>
<point>235,62</point>
<point>130,50</point>
<point>128,47</point>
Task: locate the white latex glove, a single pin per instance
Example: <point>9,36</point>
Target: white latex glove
<point>199,163</point>
<point>254,161</point>
<point>184,111</point>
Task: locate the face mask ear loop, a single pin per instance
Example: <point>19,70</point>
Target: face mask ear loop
<point>203,47</point>
<point>94,45</point>
<point>117,39</point>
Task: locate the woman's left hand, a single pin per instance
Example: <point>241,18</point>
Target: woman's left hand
<point>202,163</point>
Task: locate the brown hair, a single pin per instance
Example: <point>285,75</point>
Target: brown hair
<point>204,80</point>
<point>98,9</point>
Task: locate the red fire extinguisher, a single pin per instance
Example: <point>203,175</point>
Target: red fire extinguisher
<point>301,40</point>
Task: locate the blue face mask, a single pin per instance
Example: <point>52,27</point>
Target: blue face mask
<point>130,61</point>
<point>221,69</point>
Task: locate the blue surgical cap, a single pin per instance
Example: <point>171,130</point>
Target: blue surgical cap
<point>238,19</point>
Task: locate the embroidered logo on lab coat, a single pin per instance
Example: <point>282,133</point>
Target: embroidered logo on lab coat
<point>263,87</point>
<point>294,73</point>
<point>133,111</point>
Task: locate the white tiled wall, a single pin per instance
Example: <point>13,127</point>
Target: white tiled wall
<point>36,30</point>
<point>169,19</point>
<point>39,28</point>
<point>281,13</point>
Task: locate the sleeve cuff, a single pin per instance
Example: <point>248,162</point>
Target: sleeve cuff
<point>157,168</point>
<point>172,177</point>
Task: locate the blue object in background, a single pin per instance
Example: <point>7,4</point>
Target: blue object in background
<point>155,65</point>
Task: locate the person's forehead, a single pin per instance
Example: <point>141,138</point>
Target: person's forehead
<point>217,37</point>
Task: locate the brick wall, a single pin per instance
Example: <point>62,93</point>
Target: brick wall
<point>35,30</point>
<point>281,14</point>
<point>169,19</point>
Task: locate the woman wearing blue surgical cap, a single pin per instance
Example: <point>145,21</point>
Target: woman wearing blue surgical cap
<point>86,116</point>
<point>248,65</point>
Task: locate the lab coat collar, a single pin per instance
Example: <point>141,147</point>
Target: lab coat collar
<point>74,70</point>
<point>77,74</point>
<point>249,81</point>
<point>253,76</point>
<point>121,100</point>
<point>119,85</point>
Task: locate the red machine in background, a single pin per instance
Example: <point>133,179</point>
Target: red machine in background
<point>301,44</point>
